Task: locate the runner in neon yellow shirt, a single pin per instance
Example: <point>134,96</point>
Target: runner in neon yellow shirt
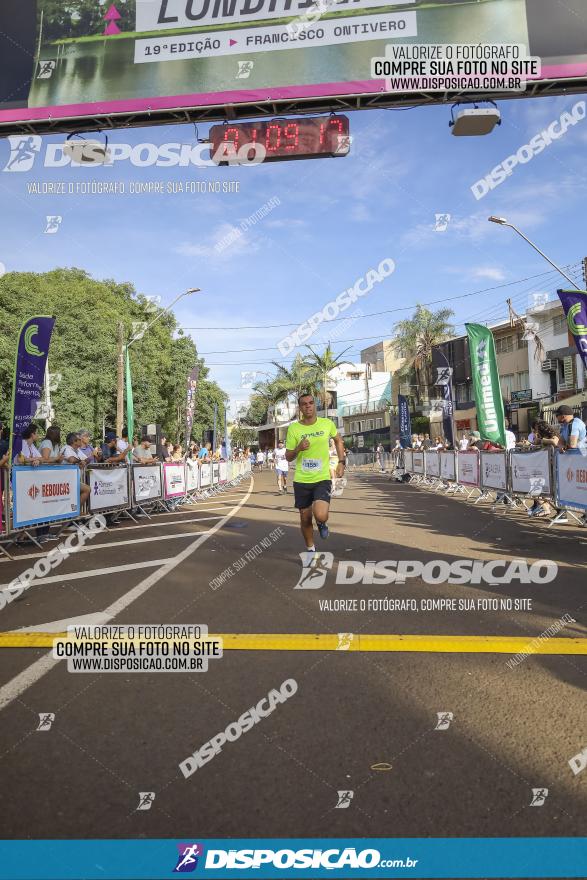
<point>307,444</point>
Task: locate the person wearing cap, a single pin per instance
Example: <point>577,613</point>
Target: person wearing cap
<point>572,431</point>
<point>475,441</point>
<point>142,453</point>
<point>110,454</point>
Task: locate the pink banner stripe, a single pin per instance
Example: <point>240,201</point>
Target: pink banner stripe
<point>319,90</point>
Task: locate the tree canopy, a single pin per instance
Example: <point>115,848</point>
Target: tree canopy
<point>83,353</point>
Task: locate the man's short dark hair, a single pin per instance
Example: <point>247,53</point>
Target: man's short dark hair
<point>564,410</point>
<point>29,431</point>
<point>304,394</point>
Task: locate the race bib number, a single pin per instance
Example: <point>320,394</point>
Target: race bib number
<point>311,464</point>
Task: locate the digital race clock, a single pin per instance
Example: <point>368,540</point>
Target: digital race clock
<point>305,138</point>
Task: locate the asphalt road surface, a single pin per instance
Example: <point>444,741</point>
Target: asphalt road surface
<point>513,728</point>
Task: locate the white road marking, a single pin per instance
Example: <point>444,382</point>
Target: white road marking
<point>115,543</point>
<point>94,572</point>
<point>96,619</point>
<point>31,675</point>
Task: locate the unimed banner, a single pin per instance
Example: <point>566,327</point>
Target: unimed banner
<point>108,488</point>
<point>147,485</point>
<point>493,467</point>
<point>571,471</point>
<point>486,386</point>
<point>468,468</point>
<point>174,479</point>
<point>135,55</point>
<point>44,493</point>
<point>531,473</point>
<point>215,472</point>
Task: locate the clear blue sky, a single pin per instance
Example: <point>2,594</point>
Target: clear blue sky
<point>337,218</point>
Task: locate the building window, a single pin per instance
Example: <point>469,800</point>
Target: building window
<point>378,423</point>
<point>522,343</point>
<point>354,375</point>
<point>559,324</point>
<point>507,385</point>
<point>504,344</point>
<point>370,424</point>
<point>462,392</point>
<point>523,381</point>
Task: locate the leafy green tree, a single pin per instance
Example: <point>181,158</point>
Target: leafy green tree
<point>84,352</point>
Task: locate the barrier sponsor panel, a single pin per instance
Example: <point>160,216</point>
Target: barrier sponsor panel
<point>147,483</point>
<point>432,462</point>
<point>448,467</point>
<point>418,462</point>
<point>108,488</point>
<point>409,461</point>
<point>191,475</point>
<point>530,473</point>
<point>205,474</point>
<point>468,468</point>
<point>222,472</point>
<point>174,479</point>
<point>494,471</point>
<point>215,472</point>
<point>45,493</point>
<point>571,473</point>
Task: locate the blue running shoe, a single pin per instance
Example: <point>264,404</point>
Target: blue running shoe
<point>323,529</point>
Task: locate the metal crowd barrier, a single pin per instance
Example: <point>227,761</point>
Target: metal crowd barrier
<point>515,477</point>
<point>119,489</point>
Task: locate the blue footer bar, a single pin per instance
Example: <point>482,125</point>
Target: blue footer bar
<point>545,857</point>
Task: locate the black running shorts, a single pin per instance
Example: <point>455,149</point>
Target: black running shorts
<point>306,493</point>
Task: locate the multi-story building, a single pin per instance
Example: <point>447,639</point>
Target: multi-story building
<point>384,357</point>
<point>556,371</point>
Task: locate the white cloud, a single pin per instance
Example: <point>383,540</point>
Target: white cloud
<point>286,224</point>
<point>226,242</point>
<point>490,272</point>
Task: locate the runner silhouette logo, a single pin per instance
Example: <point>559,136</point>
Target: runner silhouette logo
<point>313,575</point>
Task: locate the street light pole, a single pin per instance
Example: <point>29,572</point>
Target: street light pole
<point>501,221</point>
<point>122,350</point>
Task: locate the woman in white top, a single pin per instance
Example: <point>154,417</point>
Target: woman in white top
<point>50,447</point>
<point>72,454</point>
<point>29,454</point>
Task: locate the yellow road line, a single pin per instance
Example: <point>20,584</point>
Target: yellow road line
<point>356,642</point>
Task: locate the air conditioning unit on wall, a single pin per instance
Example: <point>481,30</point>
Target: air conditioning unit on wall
<point>548,365</point>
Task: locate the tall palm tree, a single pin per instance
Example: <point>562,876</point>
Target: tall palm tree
<point>298,378</point>
<point>320,365</point>
<point>415,338</point>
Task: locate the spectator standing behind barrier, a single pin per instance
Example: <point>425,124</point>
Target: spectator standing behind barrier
<point>122,443</point>
<point>110,454</point>
<point>92,453</point>
<point>161,450</point>
<point>142,453</point>
<point>177,454</point>
<point>544,435</point>
<point>463,443</point>
<point>72,454</point>
<point>572,431</point>
<point>204,453</point>
<point>29,454</point>
<point>50,447</point>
